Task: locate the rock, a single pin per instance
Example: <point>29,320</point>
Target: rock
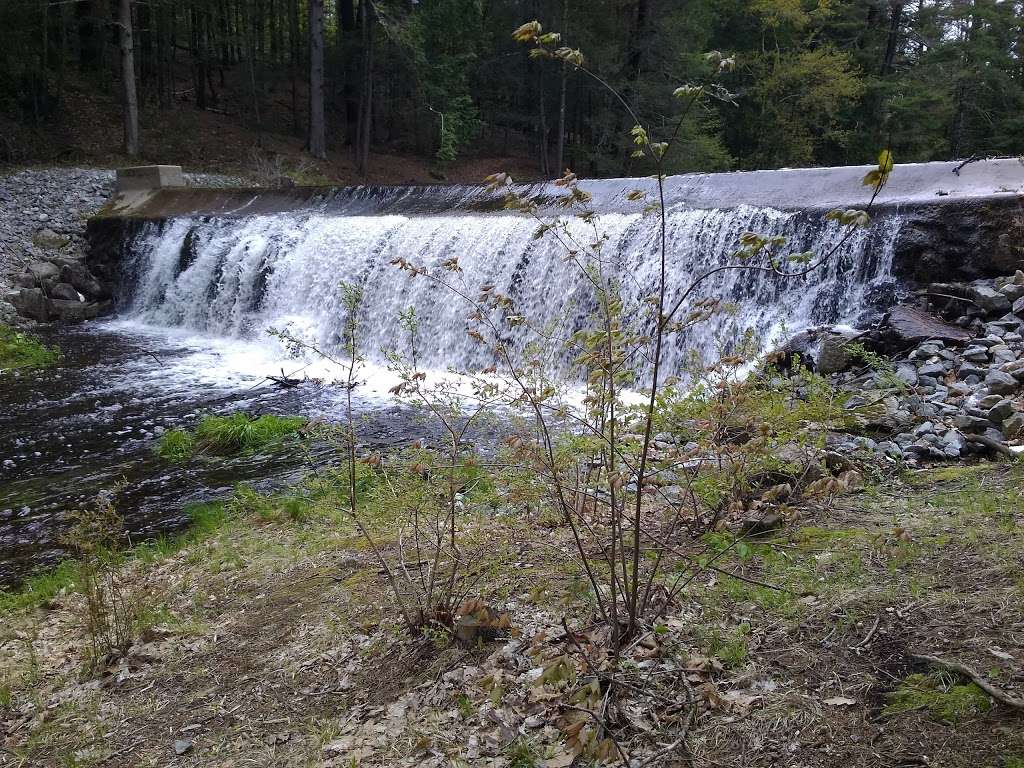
<point>1001,383</point>
<point>761,526</point>
<point>182,746</point>
<point>1012,291</point>
<point>65,292</point>
<point>1013,427</point>
<point>972,424</point>
<point>1018,307</point>
<point>924,429</point>
<point>988,298</point>
<point>908,325</point>
<point>47,238</point>
<point>83,281</point>
<point>31,303</point>
<point>74,311</point>
<point>43,271</point>
<point>936,370</point>
<point>906,373</point>
<point>954,444</point>
<point>833,355</point>
<point>1015,369</point>
<point>1000,412</point>
<point>976,354</point>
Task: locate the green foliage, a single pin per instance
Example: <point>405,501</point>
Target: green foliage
<point>942,698</point>
<point>176,445</point>
<point>229,435</point>
<point>21,351</point>
<point>39,589</point>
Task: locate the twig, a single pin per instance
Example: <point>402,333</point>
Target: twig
<point>868,636</point>
<point>977,679</point>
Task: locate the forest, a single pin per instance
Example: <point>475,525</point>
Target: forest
<point>815,82</point>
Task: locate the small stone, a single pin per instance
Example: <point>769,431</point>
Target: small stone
<point>976,354</point>
<point>1013,427</point>
<point>973,424</point>
<point>182,746</point>
<point>988,298</point>
<point>932,369</point>
<point>1000,412</point>
<point>1001,383</point>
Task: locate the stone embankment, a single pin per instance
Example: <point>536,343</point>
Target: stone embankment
<point>43,214</point>
<point>940,378</point>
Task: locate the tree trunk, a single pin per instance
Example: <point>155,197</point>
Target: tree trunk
<point>366,14</point>
<point>131,103</point>
<point>892,41</point>
<point>293,66</point>
<point>317,138</point>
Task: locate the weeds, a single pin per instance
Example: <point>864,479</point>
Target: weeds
<point>112,609</point>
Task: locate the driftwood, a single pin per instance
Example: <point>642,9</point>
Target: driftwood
<point>284,381</point>
<point>991,444</point>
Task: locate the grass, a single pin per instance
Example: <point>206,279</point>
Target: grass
<point>205,521</point>
<point>20,351</point>
<point>229,435</point>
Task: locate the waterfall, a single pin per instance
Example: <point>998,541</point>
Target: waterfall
<point>239,277</point>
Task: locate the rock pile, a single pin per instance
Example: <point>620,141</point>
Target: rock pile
<point>944,375</point>
<point>43,213</point>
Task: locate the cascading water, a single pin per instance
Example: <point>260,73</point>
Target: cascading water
<point>239,277</point>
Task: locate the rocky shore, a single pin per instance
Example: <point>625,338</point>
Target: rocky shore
<point>43,214</point>
<point>938,378</point>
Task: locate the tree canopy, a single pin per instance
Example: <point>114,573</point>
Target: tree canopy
<point>816,82</point>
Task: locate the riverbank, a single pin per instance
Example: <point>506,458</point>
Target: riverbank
<point>271,639</point>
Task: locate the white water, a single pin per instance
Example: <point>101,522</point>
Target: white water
<point>237,278</point>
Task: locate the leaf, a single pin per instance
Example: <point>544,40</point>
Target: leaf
<point>885,162</point>
<point>528,32</point>
<point>839,701</point>
<point>561,760</point>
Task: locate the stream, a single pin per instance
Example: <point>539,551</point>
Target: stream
<point>93,422</point>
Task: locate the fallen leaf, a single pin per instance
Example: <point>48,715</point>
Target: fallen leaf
<point>839,701</point>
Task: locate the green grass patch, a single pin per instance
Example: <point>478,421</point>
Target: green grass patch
<point>229,435</point>
<point>943,700</point>
<point>205,520</point>
<point>21,351</point>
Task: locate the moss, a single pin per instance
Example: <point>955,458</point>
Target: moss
<point>943,700</point>
<point>21,351</point>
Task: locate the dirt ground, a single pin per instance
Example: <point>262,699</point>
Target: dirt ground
<point>274,642</point>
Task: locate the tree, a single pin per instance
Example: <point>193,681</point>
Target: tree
<point>129,93</point>
<point>317,137</point>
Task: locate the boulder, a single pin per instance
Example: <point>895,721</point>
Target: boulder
<point>43,271</point>
<point>988,298</point>
<point>1000,412</point>
<point>83,281</point>
<point>75,311</point>
<point>47,238</point>
<point>31,303</point>
<point>1012,291</point>
<point>66,292</point>
<point>834,355</point>
<point>908,325</point>
<point>1013,427</point>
